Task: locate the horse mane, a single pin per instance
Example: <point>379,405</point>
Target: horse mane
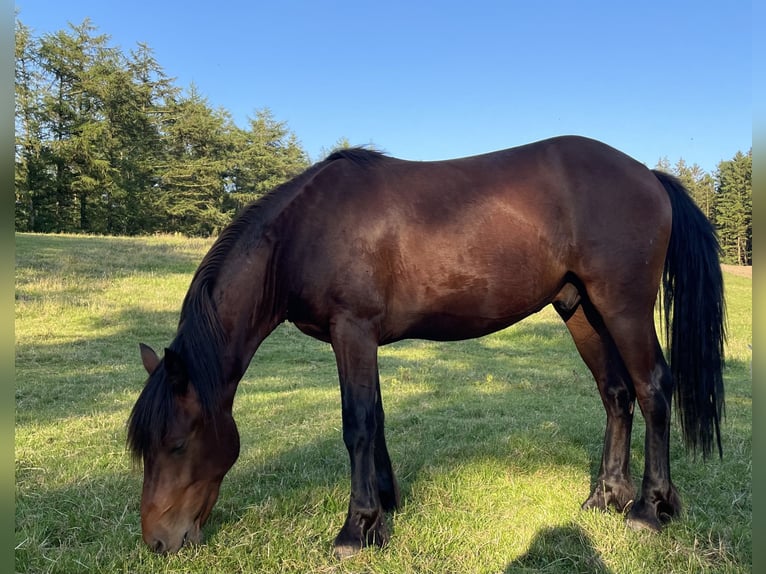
<point>200,339</point>
<point>360,156</point>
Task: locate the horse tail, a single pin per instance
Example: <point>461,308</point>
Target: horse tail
<point>694,315</point>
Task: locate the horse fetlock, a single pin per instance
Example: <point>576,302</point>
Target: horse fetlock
<point>360,531</point>
<point>617,494</point>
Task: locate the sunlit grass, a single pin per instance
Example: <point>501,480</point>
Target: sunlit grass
<point>495,441</point>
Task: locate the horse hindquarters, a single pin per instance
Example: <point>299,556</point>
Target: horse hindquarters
<point>613,327</point>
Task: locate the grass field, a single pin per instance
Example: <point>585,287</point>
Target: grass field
<point>495,441</point>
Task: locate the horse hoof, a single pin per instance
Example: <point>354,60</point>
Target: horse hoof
<point>594,503</point>
<point>343,551</point>
<point>637,524</point>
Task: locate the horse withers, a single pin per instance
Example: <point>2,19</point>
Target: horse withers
<point>362,250</point>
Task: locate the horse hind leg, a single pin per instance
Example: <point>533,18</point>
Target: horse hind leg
<point>636,340</point>
<point>614,486</point>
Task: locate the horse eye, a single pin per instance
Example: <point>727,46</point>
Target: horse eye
<point>178,447</point>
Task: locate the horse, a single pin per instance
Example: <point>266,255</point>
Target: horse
<point>363,249</point>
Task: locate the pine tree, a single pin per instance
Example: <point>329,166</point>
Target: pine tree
<point>734,208</point>
<point>135,97</point>
<point>700,184</point>
<point>31,177</point>
<point>266,155</point>
<point>72,115</point>
<point>191,186</point>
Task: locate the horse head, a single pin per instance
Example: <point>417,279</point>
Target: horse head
<point>186,448</point>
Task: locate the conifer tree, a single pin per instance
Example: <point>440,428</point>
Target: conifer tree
<point>734,208</point>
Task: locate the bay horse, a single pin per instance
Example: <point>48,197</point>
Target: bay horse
<point>363,249</point>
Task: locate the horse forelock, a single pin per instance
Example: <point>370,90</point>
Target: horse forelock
<point>151,415</point>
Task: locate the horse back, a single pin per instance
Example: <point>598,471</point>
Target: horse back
<point>458,248</point>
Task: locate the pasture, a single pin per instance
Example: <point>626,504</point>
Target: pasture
<point>495,441</point>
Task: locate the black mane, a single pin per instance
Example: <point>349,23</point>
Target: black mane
<point>359,155</point>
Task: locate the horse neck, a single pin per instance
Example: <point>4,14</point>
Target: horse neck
<point>248,304</point>
<point>249,293</point>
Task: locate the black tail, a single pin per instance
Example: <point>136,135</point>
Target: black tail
<point>694,309</point>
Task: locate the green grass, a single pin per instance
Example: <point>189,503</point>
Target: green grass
<point>495,441</point>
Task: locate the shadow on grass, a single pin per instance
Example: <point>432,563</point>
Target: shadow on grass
<point>565,549</point>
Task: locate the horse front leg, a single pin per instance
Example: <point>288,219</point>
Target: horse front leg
<point>356,355</point>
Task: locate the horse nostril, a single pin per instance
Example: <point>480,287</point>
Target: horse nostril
<point>158,546</point>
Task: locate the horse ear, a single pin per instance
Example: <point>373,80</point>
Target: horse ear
<point>175,368</point>
<point>149,358</point>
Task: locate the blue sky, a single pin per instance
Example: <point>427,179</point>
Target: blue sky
<point>431,80</point>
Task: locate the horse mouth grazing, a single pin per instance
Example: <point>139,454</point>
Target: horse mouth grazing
<point>192,536</point>
<point>170,540</point>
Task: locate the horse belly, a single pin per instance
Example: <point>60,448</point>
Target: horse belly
<point>445,326</point>
<point>463,302</point>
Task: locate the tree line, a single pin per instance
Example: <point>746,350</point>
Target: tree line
<point>107,144</point>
